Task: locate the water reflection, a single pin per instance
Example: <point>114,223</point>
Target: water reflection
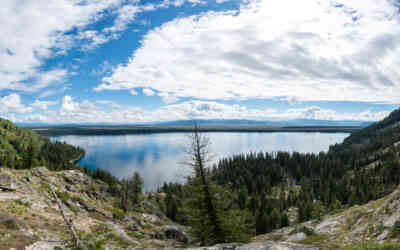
<point>158,157</point>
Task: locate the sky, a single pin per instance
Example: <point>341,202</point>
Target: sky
<point>140,61</point>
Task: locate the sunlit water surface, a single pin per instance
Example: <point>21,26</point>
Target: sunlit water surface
<point>159,157</point>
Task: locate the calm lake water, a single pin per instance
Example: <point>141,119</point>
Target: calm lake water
<point>159,157</point>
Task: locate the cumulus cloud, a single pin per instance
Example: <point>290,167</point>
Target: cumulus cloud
<point>112,104</point>
<point>43,105</point>
<point>49,78</point>
<point>35,30</point>
<point>11,105</point>
<point>168,98</point>
<point>126,14</point>
<point>72,111</point>
<point>312,50</point>
<point>148,92</point>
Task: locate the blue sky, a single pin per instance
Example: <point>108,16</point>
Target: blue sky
<point>132,61</point>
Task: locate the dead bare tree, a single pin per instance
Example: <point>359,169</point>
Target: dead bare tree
<point>68,221</point>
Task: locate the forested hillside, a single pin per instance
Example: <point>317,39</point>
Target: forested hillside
<point>23,148</point>
<point>280,188</point>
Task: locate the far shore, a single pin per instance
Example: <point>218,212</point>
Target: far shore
<point>127,130</point>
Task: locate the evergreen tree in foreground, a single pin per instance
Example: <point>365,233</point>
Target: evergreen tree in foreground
<point>205,209</point>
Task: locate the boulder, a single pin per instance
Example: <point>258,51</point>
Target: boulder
<point>40,171</point>
<point>75,177</point>
<point>44,245</point>
<point>119,231</point>
<point>150,218</point>
<point>7,183</point>
<point>172,232</point>
<point>89,208</point>
<point>329,226</point>
<point>297,237</point>
<point>383,235</point>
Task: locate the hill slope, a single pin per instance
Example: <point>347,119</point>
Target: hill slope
<point>377,221</point>
<point>23,148</point>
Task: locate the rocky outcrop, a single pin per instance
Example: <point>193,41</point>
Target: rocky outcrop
<point>297,237</point>
<point>372,222</point>
<point>7,183</point>
<point>33,219</point>
<point>273,245</point>
<point>44,245</point>
<point>266,245</point>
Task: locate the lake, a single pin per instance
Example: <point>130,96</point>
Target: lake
<point>159,157</point>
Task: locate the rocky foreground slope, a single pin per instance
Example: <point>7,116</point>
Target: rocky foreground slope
<point>30,218</point>
<point>375,222</point>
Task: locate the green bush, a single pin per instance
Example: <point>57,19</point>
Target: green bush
<point>118,214</point>
<point>63,196</point>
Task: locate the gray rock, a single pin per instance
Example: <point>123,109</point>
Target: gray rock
<point>297,237</point>
<point>119,231</point>
<point>150,218</point>
<point>75,177</point>
<point>43,245</point>
<point>40,171</point>
<point>9,196</point>
<point>329,226</point>
<point>175,233</point>
<point>273,245</point>
<point>383,235</point>
<point>7,183</point>
<point>267,245</point>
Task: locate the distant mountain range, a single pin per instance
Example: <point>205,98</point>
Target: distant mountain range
<point>290,123</point>
<point>220,122</point>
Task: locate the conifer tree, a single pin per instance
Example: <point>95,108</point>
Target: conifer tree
<point>205,207</point>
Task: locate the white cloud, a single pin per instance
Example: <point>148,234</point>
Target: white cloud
<point>148,92</point>
<point>33,31</point>
<point>312,50</point>
<point>12,105</point>
<point>112,104</point>
<point>49,78</point>
<point>43,105</point>
<point>168,98</point>
<point>126,15</point>
<point>72,111</point>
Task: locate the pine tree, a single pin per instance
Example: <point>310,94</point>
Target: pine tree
<point>135,188</point>
<point>205,207</point>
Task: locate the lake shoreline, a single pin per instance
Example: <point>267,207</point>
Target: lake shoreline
<point>132,130</point>
<point>158,157</point>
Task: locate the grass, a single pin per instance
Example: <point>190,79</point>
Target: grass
<point>387,246</point>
